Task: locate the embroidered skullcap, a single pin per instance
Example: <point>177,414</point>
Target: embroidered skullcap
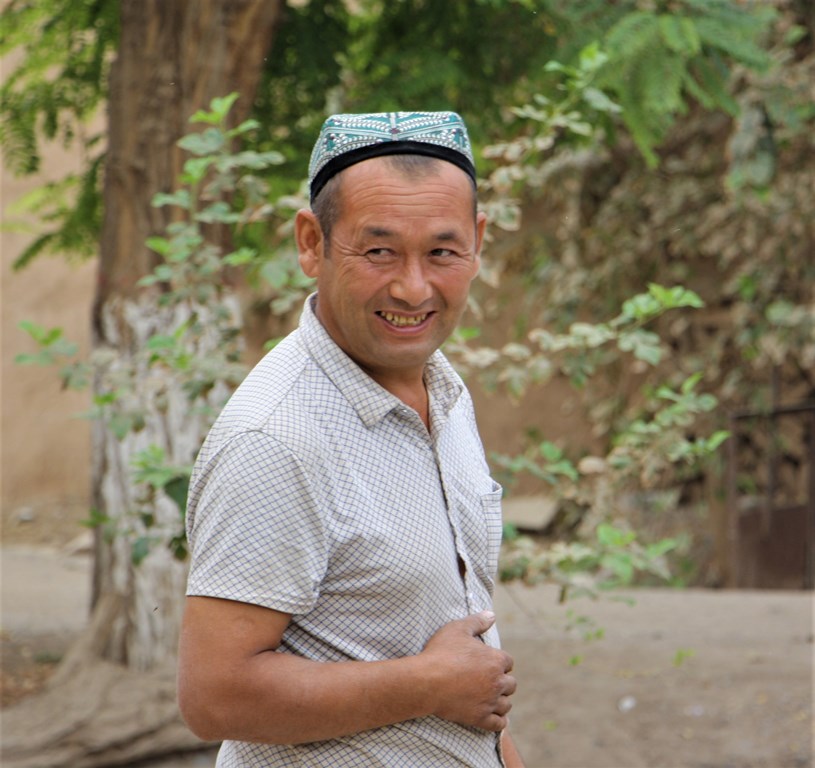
<point>348,139</point>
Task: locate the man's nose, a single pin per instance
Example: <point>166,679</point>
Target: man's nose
<point>410,285</point>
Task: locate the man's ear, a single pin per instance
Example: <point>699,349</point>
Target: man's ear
<point>310,241</point>
<point>480,230</point>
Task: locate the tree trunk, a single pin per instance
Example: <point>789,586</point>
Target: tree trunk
<point>113,701</point>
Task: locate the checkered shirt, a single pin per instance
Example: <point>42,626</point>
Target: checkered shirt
<point>319,494</point>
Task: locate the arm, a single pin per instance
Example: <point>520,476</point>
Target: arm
<point>233,685</point>
<point>512,758</point>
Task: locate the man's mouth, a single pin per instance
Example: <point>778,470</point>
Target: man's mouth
<point>403,321</point>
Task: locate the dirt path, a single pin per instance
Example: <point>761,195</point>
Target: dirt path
<point>679,679</point>
<point>690,678</point>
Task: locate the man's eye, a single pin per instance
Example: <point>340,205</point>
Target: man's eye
<point>379,254</point>
<point>442,253</point>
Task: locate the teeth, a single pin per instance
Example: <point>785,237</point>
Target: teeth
<point>402,321</point>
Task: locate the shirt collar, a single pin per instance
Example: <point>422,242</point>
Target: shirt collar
<point>371,401</point>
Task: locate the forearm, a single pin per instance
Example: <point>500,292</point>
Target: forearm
<point>233,684</point>
<point>512,757</point>
<point>282,699</point>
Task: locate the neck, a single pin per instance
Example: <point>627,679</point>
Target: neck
<point>410,390</point>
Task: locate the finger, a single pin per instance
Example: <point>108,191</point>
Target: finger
<point>478,623</point>
<point>493,722</point>
<point>509,663</point>
<point>509,685</point>
<point>502,706</point>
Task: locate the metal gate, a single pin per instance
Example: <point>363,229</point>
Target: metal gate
<point>771,542</point>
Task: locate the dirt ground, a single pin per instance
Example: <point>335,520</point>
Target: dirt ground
<point>677,679</point>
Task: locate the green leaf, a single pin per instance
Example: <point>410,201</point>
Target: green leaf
<point>219,212</point>
<point>598,100</point>
<point>590,334</point>
<point>634,32</point>
<point>719,34</point>
<point>644,345</point>
<point>781,312</point>
<point>95,519</point>
<point>41,358</point>
<point>163,273</point>
<point>218,110</point>
<point>181,198</point>
<point>120,425</point>
<point>550,451</point>
<point>680,34</point>
<point>208,142</point>
<point>690,383</point>
<point>642,307</point>
<point>161,245</point>
<point>160,341</point>
<point>716,439</point>
<point>592,58</point>
<point>221,105</point>
<point>177,490</point>
<point>675,297</point>
<point>564,467</point>
<point>660,548</point>
<point>195,169</point>
<point>556,66</point>
<point>275,272</point>
<point>609,536</point>
<point>244,127</point>
<point>241,257</point>
<point>682,655</point>
<point>509,532</point>
<point>712,76</point>
<point>139,550</point>
<point>252,160</point>
<point>43,336</point>
<point>620,565</point>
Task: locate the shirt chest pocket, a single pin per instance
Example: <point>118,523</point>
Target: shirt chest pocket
<point>480,526</point>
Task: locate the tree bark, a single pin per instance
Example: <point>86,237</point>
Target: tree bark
<point>112,701</point>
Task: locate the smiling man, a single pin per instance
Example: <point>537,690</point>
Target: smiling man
<point>343,524</point>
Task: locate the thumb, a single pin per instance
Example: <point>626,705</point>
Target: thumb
<point>478,623</point>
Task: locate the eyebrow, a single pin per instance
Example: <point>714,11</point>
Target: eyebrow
<point>445,236</point>
<point>375,231</point>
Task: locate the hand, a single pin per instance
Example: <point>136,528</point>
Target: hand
<point>471,680</point>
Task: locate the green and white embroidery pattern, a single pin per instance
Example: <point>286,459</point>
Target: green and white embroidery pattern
<point>346,133</point>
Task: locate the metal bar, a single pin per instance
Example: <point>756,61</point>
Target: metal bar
<point>732,507</point>
<point>733,571</point>
<point>781,410</point>
<point>772,464</point>
<point>809,557</point>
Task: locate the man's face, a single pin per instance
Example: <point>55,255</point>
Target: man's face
<point>395,278</point>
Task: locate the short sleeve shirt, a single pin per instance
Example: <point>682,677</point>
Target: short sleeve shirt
<point>320,494</point>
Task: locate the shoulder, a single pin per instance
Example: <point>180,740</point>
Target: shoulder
<point>267,386</point>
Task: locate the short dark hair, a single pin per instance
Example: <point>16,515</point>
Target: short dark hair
<point>328,203</point>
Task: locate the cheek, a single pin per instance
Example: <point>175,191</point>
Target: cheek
<point>363,280</point>
<point>456,282</point>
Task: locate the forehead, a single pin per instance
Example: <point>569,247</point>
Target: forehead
<point>404,184</point>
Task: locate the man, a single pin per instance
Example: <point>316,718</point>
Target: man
<point>343,525</point>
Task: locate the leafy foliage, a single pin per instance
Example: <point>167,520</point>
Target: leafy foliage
<point>730,215</point>
<point>199,351</point>
<point>662,57</point>
<point>62,77</point>
<point>371,55</point>
<point>584,74</point>
<point>611,559</point>
<point>52,94</point>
